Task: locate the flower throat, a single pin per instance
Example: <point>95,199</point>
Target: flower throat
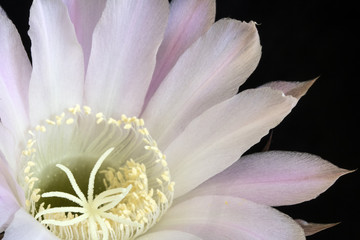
<point>92,177</point>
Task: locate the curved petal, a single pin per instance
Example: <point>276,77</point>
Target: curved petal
<point>9,185</point>
<point>24,226</point>
<point>218,137</point>
<point>123,55</point>
<point>188,20</point>
<point>226,217</point>
<point>209,72</point>
<point>15,70</point>
<point>295,89</point>
<point>58,64</point>
<point>8,202</point>
<point>8,205</point>
<point>168,234</point>
<point>9,152</point>
<point>312,228</point>
<point>274,178</point>
<point>85,14</point>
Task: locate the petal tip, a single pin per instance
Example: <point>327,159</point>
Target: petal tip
<point>293,89</point>
<point>312,228</point>
<point>301,88</point>
<point>343,171</point>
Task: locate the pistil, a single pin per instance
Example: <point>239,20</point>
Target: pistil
<point>93,209</point>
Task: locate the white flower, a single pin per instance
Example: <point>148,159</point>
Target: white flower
<point>128,125</point>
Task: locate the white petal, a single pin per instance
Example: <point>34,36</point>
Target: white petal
<point>123,55</point>
<point>273,178</point>
<point>24,227</point>
<point>225,217</point>
<point>85,14</point>
<point>209,72</point>
<point>168,234</point>
<point>8,149</point>
<point>15,70</point>
<point>7,208</point>
<point>295,89</point>
<point>188,20</point>
<point>9,183</point>
<point>8,202</point>
<point>312,228</point>
<point>218,137</point>
<point>58,68</point>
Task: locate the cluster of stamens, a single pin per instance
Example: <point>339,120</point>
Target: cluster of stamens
<point>136,185</point>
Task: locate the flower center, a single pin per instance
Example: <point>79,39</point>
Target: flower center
<point>115,162</point>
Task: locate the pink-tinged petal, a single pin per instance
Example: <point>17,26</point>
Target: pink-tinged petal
<point>226,217</point>
<point>85,14</point>
<point>218,137</point>
<point>11,195</point>
<point>168,234</point>
<point>274,178</point>
<point>12,115</point>
<point>8,207</point>
<point>8,182</point>
<point>209,72</point>
<point>123,55</point>
<point>312,228</point>
<point>15,70</point>
<point>24,227</point>
<point>188,20</point>
<point>8,204</point>
<point>58,64</point>
<point>8,148</point>
<point>295,89</point>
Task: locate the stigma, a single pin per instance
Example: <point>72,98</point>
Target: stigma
<point>87,176</point>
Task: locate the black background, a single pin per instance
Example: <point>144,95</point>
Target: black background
<point>302,40</point>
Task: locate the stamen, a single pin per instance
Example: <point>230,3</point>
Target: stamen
<point>103,227</point>
<point>67,222</point>
<point>119,219</point>
<point>60,210</point>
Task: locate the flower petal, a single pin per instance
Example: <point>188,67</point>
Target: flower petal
<point>58,68</point>
<point>214,140</point>
<point>209,72</point>
<point>85,14</point>
<point>24,226</point>
<point>188,20</point>
<point>8,150</point>
<point>8,207</point>
<point>226,217</point>
<point>11,194</point>
<point>295,89</point>
<point>312,228</point>
<point>15,70</point>
<point>123,55</point>
<point>8,202</point>
<point>274,178</point>
<point>168,234</point>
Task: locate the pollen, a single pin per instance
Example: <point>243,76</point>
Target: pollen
<point>70,121</point>
<point>87,176</point>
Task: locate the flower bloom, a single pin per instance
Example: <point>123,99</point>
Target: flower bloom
<point>128,125</point>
